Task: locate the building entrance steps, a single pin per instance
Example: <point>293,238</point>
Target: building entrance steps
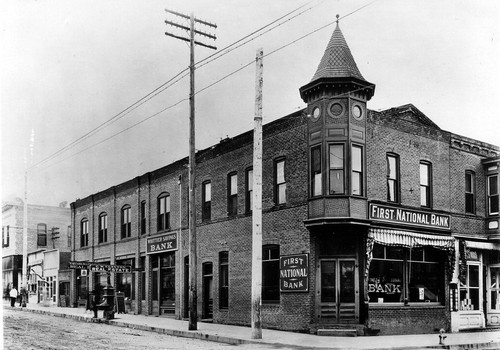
<point>242,335</point>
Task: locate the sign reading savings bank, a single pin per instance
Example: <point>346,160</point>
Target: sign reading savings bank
<point>161,244</point>
<point>294,273</point>
<point>410,217</point>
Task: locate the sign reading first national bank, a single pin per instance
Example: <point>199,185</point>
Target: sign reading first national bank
<point>162,244</point>
<point>407,216</point>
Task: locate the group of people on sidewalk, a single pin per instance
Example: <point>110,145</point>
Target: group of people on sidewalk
<point>14,294</point>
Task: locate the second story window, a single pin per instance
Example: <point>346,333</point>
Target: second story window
<point>84,233</point>
<point>316,177</point>
<point>279,182</point>
<point>336,170</point>
<point>103,228</point>
<point>493,195</point>
<point>232,194</point>
<point>143,217</point>
<point>206,200</point>
<point>126,225</point>
<point>249,190</point>
<point>163,212</point>
<point>425,184</point>
<point>470,192</point>
<point>357,170</point>
<point>41,235</point>
<point>392,178</point>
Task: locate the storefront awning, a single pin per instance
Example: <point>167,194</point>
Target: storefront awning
<point>409,239</point>
<point>483,245</point>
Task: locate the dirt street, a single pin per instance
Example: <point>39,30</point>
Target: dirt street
<point>27,330</point>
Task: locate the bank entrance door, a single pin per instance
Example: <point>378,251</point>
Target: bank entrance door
<point>338,296</point>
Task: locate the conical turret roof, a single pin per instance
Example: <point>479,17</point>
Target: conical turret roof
<point>337,61</point>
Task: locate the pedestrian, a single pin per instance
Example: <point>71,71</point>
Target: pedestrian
<point>13,296</point>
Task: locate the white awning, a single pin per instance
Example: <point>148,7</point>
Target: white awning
<point>483,245</point>
<point>409,239</point>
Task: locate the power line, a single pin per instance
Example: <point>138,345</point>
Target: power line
<point>163,88</point>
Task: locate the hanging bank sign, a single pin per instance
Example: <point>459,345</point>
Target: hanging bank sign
<point>407,216</point>
<point>294,273</point>
<point>161,244</point>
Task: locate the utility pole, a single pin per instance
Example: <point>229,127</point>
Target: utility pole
<point>257,203</point>
<point>193,315</point>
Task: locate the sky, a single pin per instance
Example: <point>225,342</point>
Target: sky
<point>69,67</point>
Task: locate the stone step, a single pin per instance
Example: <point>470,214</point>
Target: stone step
<point>339,332</point>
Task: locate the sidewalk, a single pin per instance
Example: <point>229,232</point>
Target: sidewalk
<point>242,335</point>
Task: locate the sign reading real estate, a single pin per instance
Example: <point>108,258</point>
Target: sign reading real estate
<point>294,273</point>
<point>406,216</point>
<point>161,244</point>
<point>86,265</point>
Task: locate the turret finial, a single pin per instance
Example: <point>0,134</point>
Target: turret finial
<point>338,18</point>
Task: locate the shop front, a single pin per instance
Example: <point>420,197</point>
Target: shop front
<point>161,251</point>
<point>408,270</point>
<point>476,302</point>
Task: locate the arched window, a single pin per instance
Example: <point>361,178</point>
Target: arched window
<point>163,212</point>
<point>103,228</point>
<point>84,233</point>
<point>126,226</point>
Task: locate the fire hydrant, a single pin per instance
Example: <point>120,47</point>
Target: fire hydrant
<point>442,337</point>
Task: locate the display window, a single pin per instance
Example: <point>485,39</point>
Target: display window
<point>404,275</point>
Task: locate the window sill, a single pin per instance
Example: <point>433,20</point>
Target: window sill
<point>402,305</point>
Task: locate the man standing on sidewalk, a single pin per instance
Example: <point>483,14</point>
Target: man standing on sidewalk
<point>13,296</point>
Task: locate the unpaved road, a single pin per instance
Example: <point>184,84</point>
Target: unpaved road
<point>27,331</point>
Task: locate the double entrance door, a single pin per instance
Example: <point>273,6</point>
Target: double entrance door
<point>338,291</point>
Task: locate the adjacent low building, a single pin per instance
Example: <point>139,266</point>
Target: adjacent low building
<point>48,235</point>
<point>373,221</point>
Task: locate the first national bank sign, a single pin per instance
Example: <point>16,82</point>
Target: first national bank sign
<point>409,217</point>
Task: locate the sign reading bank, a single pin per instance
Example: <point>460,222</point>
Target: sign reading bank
<point>410,217</point>
<point>161,244</point>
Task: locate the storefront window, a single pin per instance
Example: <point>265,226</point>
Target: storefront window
<point>469,291</point>
<point>125,281</point>
<point>400,274</point>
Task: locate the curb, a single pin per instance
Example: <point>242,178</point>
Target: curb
<point>238,341</point>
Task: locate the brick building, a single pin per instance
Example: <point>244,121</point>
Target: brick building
<point>48,230</point>
<point>372,221</point>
